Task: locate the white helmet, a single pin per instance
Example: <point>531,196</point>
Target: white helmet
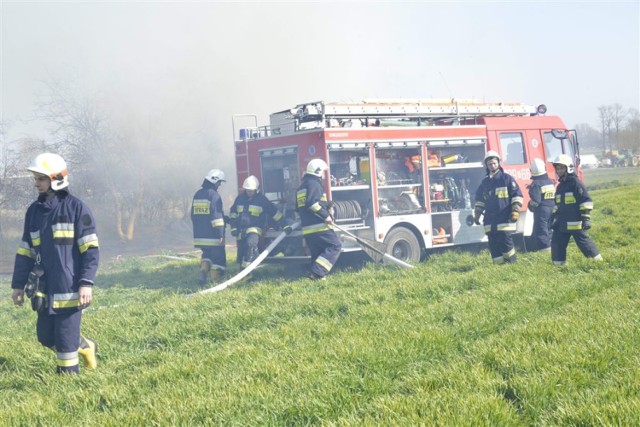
<point>251,183</point>
<point>565,160</point>
<point>537,167</point>
<point>215,176</point>
<point>54,167</point>
<point>491,155</point>
<point>316,167</point>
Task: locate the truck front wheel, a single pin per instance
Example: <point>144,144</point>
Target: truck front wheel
<point>402,244</point>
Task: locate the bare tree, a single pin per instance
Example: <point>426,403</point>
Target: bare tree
<point>589,136</point>
<point>104,156</point>
<point>630,135</point>
<point>604,112</point>
<point>618,118</point>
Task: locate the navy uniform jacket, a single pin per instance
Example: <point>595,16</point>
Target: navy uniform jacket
<point>498,196</point>
<point>311,204</point>
<point>250,213</point>
<point>62,232</point>
<point>573,204</point>
<point>541,193</point>
<point>207,217</point>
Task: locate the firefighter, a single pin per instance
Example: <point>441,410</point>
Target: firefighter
<point>249,215</point>
<point>56,264</point>
<point>541,203</point>
<point>208,227</point>
<point>313,208</point>
<point>500,199</point>
<point>571,215</point>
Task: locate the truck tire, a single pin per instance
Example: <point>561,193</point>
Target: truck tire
<point>403,245</point>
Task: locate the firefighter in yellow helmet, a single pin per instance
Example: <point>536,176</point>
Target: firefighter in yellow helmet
<point>56,264</point>
<point>572,214</point>
<point>249,216</point>
<point>499,198</point>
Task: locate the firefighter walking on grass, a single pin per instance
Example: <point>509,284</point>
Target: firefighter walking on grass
<point>249,216</point>
<point>56,264</point>
<point>541,202</point>
<point>208,227</point>
<point>316,220</point>
<point>500,199</point>
<point>572,214</point>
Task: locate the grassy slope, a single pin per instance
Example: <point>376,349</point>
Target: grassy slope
<point>456,341</point>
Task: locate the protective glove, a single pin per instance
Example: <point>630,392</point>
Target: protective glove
<point>287,229</point>
<point>514,216</point>
<point>586,224</point>
<point>476,218</point>
<point>234,232</point>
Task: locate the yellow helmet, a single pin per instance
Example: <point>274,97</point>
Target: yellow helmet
<point>54,167</point>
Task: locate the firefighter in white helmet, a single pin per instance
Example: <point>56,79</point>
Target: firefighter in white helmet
<point>251,214</point>
<point>314,211</point>
<point>208,227</point>
<point>541,202</point>
<point>56,264</point>
<point>571,215</point>
<point>499,198</point>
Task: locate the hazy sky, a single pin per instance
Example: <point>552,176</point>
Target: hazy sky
<point>198,63</point>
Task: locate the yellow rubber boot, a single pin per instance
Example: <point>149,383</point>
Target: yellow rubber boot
<point>88,349</point>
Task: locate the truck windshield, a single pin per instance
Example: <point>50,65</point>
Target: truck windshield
<point>555,146</point>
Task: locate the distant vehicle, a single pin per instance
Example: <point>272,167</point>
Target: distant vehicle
<point>620,158</point>
<point>589,161</point>
<point>372,149</point>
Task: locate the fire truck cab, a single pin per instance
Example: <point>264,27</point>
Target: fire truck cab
<point>401,172</point>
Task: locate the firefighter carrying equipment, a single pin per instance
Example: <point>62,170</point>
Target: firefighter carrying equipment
<point>537,167</point>
<point>88,350</point>
<point>565,160</point>
<point>52,166</point>
<point>251,183</point>
<point>316,167</point>
<point>215,176</point>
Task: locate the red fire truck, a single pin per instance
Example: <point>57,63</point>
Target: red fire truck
<point>401,172</point>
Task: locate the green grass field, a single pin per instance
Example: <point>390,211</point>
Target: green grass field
<point>456,341</point>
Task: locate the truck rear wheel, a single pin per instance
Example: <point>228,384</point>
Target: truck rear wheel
<point>403,245</point>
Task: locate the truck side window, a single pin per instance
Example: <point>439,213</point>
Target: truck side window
<point>512,145</point>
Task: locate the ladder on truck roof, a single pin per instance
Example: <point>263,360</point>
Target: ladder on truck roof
<point>427,109</point>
